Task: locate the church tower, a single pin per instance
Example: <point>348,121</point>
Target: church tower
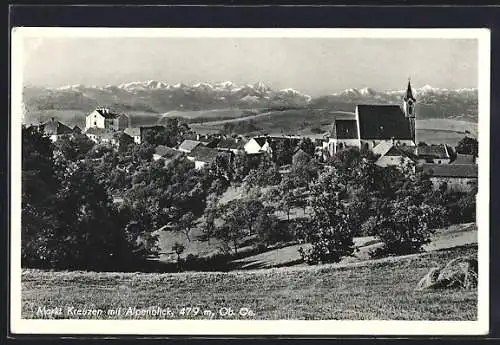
<point>409,109</point>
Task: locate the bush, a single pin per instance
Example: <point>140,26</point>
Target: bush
<point>404,227</point>
<point>271,230</point>
<point>462,209</point>
<point>329,244</point>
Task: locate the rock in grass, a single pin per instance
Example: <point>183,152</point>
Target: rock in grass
<point>458,273</point>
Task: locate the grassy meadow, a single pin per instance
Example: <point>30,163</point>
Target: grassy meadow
<point>372,290</point>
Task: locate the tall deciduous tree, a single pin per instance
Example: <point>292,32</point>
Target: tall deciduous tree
<point>331,235</point>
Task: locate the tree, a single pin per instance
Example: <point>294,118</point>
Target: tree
<point>210,214</point>
<point>307,146</point>
<point>270,230</point>
<point>186,223</point>
<point>403,226</point>
<point>125,142</point>
<point>170,134</point>
<point>266,174</point>
<point>468,146</point>
<point>282,151</point>
<point>331,235</point>
<point>178,249</point>
<point>39,186</point>
<point>75,147</point>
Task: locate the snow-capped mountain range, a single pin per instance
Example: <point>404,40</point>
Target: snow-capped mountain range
<point>159,97</point>
<point>261,87</point>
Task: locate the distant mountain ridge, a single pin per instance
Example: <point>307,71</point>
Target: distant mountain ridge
<point>159,97</point>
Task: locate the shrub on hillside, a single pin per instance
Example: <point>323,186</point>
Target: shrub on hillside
<point>462,209</point>
<point>404,227</point>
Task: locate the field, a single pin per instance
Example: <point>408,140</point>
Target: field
<point>374,290</point>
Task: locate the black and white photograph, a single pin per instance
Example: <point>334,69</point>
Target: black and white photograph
<point>250,181</point>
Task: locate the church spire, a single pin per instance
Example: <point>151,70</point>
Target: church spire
<point>409,92</point>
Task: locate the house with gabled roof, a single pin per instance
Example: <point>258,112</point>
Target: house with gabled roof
<point>103,117</point>
<point>234,145</point>
<point>455,177</point>
<point>202,156</point>
<point>166,153</point>
<point>390,154</point>
<point>102,135</point>
<point>257,145</point>
<point>437,154</point>
<point>266,143</point>
<point>134,133</point>
<point>189,145</point>
<point>55,129</point>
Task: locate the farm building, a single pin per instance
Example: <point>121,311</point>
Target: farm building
<point>107,119</point>
<point>456,177</point>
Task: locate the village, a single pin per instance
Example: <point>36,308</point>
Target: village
<point>388,131</point>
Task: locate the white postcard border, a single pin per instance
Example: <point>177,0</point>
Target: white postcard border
<point>251,327</point>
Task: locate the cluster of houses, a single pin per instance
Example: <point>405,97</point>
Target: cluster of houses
<point>386,130</point>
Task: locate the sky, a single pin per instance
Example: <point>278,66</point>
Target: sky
<point>314,66</point>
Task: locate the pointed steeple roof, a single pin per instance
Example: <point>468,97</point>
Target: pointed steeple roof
<point>409,92</point>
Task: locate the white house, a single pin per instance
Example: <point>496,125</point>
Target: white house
<point>257,145</point>
<point>107,119</point>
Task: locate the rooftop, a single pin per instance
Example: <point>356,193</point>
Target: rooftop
<point>133,131</point>
<point>107,113</point>
<point>165,151</point>
<point>345,129</point>
<point>189,145</point>
<point>383,122</point>
<point>53,127</point>
<point>434,151</point>
<point>204,154</point>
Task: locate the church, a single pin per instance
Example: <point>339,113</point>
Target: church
<point>374,124</point>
